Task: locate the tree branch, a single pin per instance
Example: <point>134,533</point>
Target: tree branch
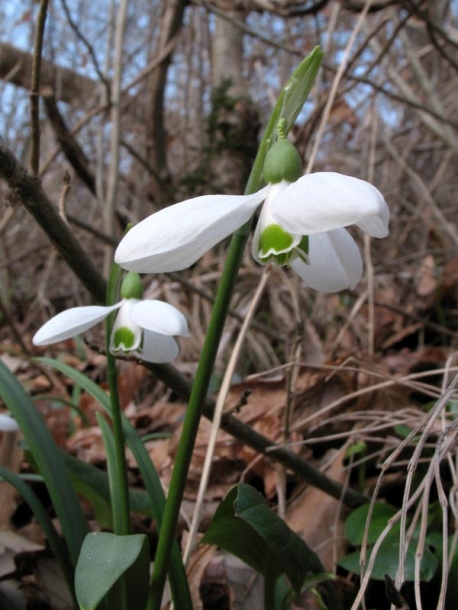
<point>26,189</point>
<point>34,94</point>
<point>70,146</point>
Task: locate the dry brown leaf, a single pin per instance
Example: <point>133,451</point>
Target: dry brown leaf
<point>11,544</point>
<point>88,446</point>
<point>245,584</point>
<point>426,276</point>
<point>318,518</point>
<point>201,573</point>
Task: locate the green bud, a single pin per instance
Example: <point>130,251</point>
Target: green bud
<point>282,162</point>
<point>132,287</point>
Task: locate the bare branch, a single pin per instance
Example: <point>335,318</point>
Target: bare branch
<point>35,88</point>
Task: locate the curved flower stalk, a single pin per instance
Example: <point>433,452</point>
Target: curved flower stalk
<point>143,328</point>
<point>301,224</point>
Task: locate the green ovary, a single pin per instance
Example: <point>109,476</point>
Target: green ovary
<point>124,339</point>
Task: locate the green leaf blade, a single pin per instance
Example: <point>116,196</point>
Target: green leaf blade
<point>246,526</point>
<point>104,559</point>
<point>48,460</point>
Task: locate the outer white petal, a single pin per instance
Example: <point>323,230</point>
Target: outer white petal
<point>326,200</point>
<point>7,423</point>
<point>159,317</point>
<point>157,348</point>
<point>177,236</point>
<point>334,262</point>
<point>71,322</point>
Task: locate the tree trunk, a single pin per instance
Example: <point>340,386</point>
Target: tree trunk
<point>234,123</point>
<point>156,135</point>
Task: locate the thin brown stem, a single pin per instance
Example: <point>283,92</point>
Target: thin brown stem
<point>35,88</point>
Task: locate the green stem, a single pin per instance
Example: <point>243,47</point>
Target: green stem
<point>121,513</point>
<point>270,579</point>
<point>194,412</point>
<point>120,503</point>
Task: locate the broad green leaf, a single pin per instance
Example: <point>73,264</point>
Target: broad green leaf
<point>356,523</point>
<point>103,560</point>
<point>236,536</point>
<point>388,554</point>
<point>48,460</point>
<point>177,575</point>
<point>388,558</point>
<point>245,526</point>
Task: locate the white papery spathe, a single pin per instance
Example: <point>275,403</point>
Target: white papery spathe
<point>318,206</point>
<point>152,325</point>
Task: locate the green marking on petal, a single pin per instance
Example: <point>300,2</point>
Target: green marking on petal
<point>274,240</point>
<point>276,246</point>
<point>123,339</point>
<point>302,250</point>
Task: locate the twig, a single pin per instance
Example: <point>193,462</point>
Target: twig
<point>335,85</point>
<point>87,44</point>
<point>113,173</point>
<point>26,189</point>
<point>35,89</point>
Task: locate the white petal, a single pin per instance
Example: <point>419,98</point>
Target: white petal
<point>124,320</point>
<point>71,322</point>
<point>157,348</point>
<point>326,200</point>
<point>177,236</point>
<point>7,423</point>
<point>159,317</point>
<point>334,262</point>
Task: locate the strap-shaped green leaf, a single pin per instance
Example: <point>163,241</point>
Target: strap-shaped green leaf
<point>177,575</point>
<point>48,460</point>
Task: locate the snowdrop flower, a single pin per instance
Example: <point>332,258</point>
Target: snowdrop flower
<point>144,329</point>
<point>301,224</point>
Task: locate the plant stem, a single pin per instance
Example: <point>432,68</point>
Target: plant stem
<point>122,521</point>
<point>120,502</point>
<point>270,579</point>
<point>193,414</point>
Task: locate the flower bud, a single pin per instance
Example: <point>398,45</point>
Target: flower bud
<point>132,287</point>
<point>282,162</point>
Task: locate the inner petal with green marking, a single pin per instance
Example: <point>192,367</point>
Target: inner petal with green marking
<point>124,339</point>
<point>278,246</point>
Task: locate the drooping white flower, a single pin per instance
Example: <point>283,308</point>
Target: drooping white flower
<point>143,328</point>
<point>302,224</point>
